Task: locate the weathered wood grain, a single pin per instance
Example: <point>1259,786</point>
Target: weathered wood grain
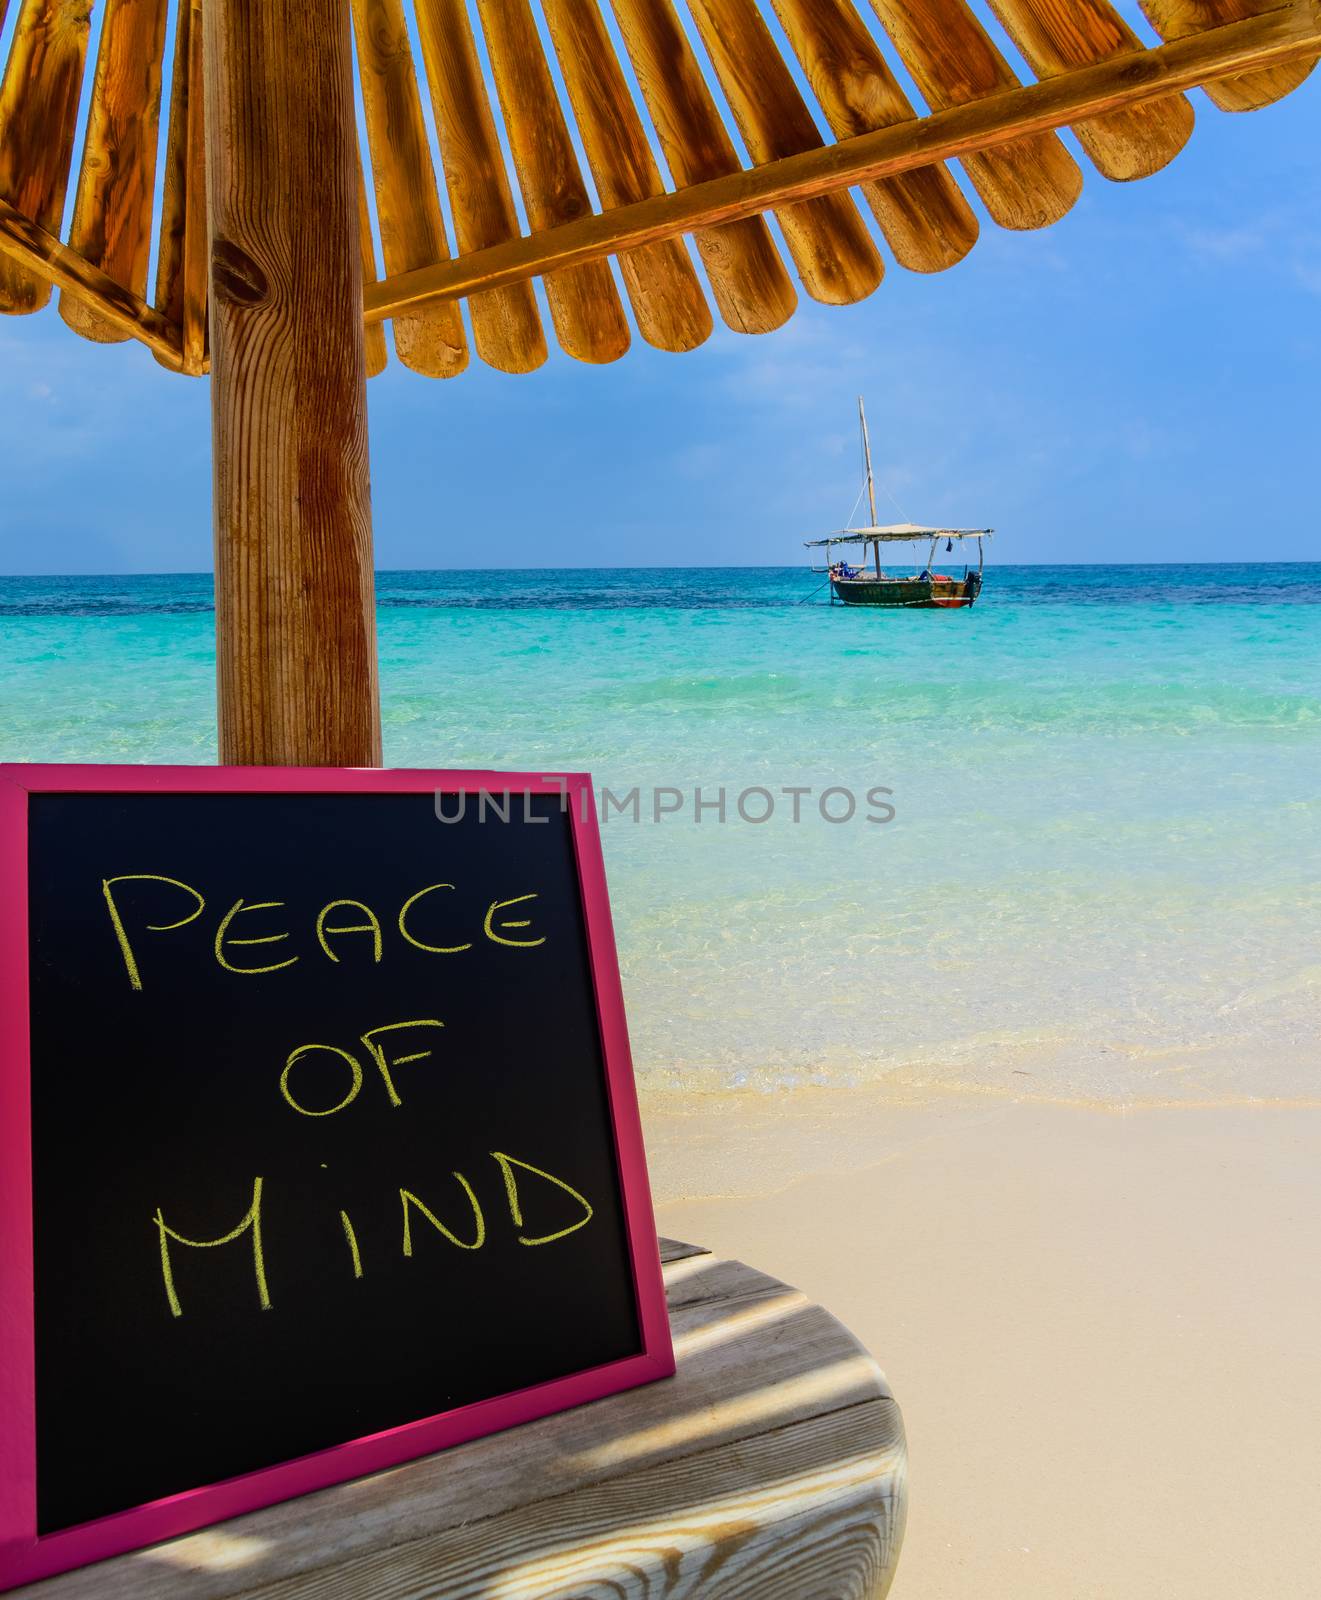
<point>374,351</point>
<point>43,256</point>
<point>677,1250</point>
<point>1257,42</point>
<point>173,222</point>
<point>748,280</point>
<point>506,327</point>
<point>831,247</point>
<point>38,115</point>
<point>295,619</point>
<point>667,299</point>
<point>584,304</point>
<point>181,257</point>
<point>923,214</point>
<point>1027,183</point>
<point>771,1466</point>
<point>805,1513</point>
<point>196,239</point>
<point>407,204</point>
<point>112,209</point>
<point>1056,36</point>
<point>1248,91</point>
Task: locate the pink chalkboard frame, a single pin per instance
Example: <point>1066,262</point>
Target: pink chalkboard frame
<point>23,1555</point>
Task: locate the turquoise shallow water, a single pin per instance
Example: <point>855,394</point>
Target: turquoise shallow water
<point>1103,875</point>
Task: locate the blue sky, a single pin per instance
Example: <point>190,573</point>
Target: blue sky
<point>1141,381</point>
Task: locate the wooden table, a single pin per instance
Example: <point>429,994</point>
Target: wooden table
<point>771,1467</point>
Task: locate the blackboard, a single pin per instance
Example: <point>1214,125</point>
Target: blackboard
<point>334,1152</point>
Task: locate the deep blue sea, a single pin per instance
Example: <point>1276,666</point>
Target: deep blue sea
<point>1102,877</point>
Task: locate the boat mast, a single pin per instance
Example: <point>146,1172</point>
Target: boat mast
<point>871,489</point>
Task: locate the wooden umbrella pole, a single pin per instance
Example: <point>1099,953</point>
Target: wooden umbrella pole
<point>295,620</point>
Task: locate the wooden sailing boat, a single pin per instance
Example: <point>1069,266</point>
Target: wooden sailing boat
<point>858,586</point>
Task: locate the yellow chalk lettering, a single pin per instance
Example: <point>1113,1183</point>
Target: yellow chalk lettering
<point>507,1165</point>
<point>296,1055</point>
<point>251,1220</point>
<point>383,1063</point>
<point>223,934</point>
<point>353,1243</point>
<point>408,1198</point>
<point>125,948</point>
<point>371,926</point>
<point>433,949</point>
<point>489,930</point>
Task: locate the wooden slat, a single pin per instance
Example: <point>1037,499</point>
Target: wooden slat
<point>667,299</point>
<point>506,328</point>
<point>374,345</point>
<point>174,192</point>
<point>181,258</point>
<point>677,1250</point>
<point>43,256</point>
<point>38,113</point>
<point>113,205</point>
<point>407,204</point>
<point>1029,183</point>
<point>923,214</point>
<point>1258,43</point>
<point>584,304</point>
<point>751,287</point>
<point>831,248</point>
<point>196,243</point>
<point>1057,36</point>
<point>1176,19</point>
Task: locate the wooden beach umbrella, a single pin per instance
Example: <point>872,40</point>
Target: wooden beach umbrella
<point>625,127</point>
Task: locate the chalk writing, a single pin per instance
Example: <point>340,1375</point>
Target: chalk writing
<point>226,943</point>
<point>411,1204</point>
<point>126,949</point>
<point>408,1198</point>
<point>383,1063</point>
<point>223,933</point>
<point>352,1242</point>
<point>433,949</point>
<point>371,926</point>
<point>297,1055</point>
<point>507,1165</point>
<point>252,1219</point>
<point>517,944</point>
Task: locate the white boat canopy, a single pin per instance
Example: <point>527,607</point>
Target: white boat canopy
<point>897,530</point>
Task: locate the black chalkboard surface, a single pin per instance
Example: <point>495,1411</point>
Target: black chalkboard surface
<point>323,1140</point>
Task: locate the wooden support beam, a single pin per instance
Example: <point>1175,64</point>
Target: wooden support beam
<point>42,254</point>
<point>1269,39</point>
<point>295,613</point>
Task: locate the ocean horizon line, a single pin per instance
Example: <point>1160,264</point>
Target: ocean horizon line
<point>659,566</point>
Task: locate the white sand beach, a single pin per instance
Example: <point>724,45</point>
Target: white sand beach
<point>1101,1324</point>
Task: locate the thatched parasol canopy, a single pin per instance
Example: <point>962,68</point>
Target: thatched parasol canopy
<point>622,134</point>
<point>519,103</point>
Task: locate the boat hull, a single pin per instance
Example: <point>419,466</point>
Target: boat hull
<point>928,593</point>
